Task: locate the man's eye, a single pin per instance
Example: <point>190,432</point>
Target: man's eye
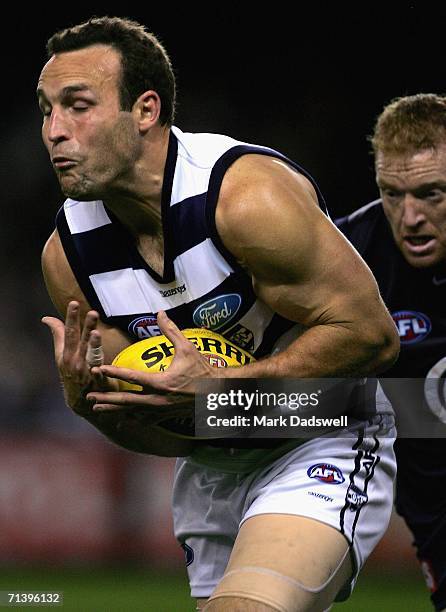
<point>434,194</point>
<point>80,107</point>
<point>390,193</point>
<point>46,112</point>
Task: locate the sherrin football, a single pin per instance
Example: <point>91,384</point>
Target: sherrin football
<point>156,354</point>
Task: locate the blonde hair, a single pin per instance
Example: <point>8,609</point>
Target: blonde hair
<point>409,124</point>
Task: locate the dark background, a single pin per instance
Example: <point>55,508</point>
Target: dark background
<point>308,82</point>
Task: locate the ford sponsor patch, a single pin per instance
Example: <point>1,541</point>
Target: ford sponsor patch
<point>326,473</point>
<point>412,326</point>
<point>216,312</point>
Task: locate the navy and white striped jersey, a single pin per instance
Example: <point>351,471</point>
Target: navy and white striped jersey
<point>202,284</point>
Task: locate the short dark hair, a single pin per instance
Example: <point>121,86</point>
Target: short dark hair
<point>144,62</point>
<point>411,123</point>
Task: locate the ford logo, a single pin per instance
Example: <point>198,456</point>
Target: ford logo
<point>217,311</point>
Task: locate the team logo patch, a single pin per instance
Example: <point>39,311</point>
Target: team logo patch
<point>242,336</point>
<point>144,327</point>
<point>356,498</point>
<point>188,553</point>
<point>412,326</point>
<point>326,473</point>
<point>217,311</point>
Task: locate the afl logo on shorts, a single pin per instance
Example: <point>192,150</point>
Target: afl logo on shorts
<point>217,311</point>
<point>144,327</point>
<point>412,326</point>
<point>329,474</point>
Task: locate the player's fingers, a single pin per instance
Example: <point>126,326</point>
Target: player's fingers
<point>95,353</point>
<point>90,323</point>
<point>144,379</point>
<point>72,328</point>
<point>97,378</point>
<point>126,399</point>
<point>57,329</point>
<point>171,331</point>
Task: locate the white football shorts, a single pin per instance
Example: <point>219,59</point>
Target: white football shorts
<point>344,480</point>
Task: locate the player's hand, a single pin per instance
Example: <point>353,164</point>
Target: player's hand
<point>71,343</point>
<point>175,388</point>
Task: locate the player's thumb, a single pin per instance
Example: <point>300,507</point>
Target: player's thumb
<point>57,329</point>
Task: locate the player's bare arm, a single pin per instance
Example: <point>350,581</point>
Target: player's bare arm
<point>71,339</point>
<point>303,268</point>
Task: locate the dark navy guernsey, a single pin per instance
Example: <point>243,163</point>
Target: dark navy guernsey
<point>416,299</point>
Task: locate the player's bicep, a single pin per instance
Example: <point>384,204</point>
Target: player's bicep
<point>327,282</point>
<point>301,265</point>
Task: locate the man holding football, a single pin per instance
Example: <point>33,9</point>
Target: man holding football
<point>160,229</point>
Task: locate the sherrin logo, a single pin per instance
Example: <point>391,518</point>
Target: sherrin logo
<point>217,351</point>
<point>412,326</point>
<point>327,473</point>
<point>217,311</point>
<point>144,327</point>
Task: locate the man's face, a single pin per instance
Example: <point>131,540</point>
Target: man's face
<point>92,143</point>
<point>413,190</point>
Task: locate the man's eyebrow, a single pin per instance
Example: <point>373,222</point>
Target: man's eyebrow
<point>66,91</point>
<point>382,184</point>
<point>438,184</point>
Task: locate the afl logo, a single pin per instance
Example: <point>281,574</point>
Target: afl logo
<point>329,474</point>
<point>218,311</point>
<point>216,361</point>
<point>412,326</point>
<point>144,327</point>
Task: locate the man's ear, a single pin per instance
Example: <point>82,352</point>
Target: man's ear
<point>147,110</point>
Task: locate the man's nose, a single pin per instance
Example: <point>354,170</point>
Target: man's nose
<point>58,129</point>
<point>413,213</point>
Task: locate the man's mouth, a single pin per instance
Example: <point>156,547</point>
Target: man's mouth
<point>419,244</point>
<point>63,163</point>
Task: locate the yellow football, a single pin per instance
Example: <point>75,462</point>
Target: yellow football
<point>156,354</point>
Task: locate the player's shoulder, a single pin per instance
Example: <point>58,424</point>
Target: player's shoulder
<point>362,217</point>
<point>263,177</point>
<point>366,226</point>
<point>51,248</point>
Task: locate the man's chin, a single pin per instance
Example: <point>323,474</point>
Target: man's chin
<point>79,192</point>
<point>429,260</point>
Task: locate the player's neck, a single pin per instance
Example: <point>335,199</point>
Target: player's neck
<point>136,201</point>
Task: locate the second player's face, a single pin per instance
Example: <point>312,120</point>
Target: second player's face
<point>92,143</point>
<point>413,191</point>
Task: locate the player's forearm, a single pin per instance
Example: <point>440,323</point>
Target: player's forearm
<point>326,351</point>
